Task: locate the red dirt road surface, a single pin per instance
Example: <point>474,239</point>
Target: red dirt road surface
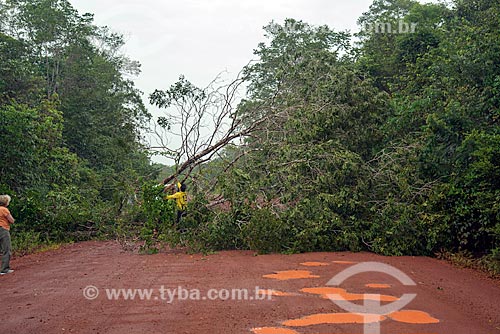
<point>70,290</point>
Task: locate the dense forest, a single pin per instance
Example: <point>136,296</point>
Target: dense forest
<point>386,141</point>
<point>70,125</point>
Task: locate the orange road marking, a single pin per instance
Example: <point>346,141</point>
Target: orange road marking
<point>413,317</point>
<point>328,292</point>
<point>378,286</point>
<point>291,274</point>
<point>334,318</point>
<point>273,330</point>
<point>344,262</point>
<point>314,264</point>
<point>275,293</point>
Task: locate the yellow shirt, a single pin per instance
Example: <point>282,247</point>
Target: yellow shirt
<point>180,198</point>
<point>4,221</point>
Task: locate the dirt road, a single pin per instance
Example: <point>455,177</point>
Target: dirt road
<point>70,290</point>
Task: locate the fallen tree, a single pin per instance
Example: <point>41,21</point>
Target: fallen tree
<point>205,121</point>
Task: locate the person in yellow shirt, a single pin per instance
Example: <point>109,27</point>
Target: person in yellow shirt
<point>181,200</point>
<point>5,245</point>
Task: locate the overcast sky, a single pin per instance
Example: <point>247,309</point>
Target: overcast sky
<point>202,38</point>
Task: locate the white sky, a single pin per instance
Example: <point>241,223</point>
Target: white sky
<point>202,38</point>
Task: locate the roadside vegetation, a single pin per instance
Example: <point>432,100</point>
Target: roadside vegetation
<point>387,141</point>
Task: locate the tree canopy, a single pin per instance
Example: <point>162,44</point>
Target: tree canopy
<point>70,124</point>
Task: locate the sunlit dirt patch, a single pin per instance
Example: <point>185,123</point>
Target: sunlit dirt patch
<point>276,293</point>
<point>291,274</point>
<point>329,293</point>
<point>334,318</point>
<point>378,286</point>
<point>314,264</point>
<point>413,317</point>
<point>273,330</point>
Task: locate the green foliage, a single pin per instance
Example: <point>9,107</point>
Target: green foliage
<point>266,233</point>
<point>69,123</point>
<point>160,218</point>
<point>348,167</point>
<point>223,232</point>
<point>386,53</point>
<point>316,226</point>
<point>470,201</point>
<point>24,243</point>
<point>445,128</point>
<point>16,78</point>
<point>294,49</point>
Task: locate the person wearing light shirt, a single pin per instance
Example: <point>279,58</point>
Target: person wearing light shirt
<point>6,220</point>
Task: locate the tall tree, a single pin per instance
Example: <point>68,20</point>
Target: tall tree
<point>73,117</point>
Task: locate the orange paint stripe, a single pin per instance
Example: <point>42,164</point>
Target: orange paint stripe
<point>275,293</point>
<point>314,264</point>
<point>273,330</point>
<point>378,286</point>
<point>328,293</point>
<point>413,317</point>
<point>334,318</point>
<point>291,274</point>
<point>344,262</point>
<point>324,291</point>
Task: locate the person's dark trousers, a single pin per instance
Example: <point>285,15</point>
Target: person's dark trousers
<point>180,214</point>
<point>5,249</point>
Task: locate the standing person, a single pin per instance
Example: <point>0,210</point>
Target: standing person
<point>6,220</point>
<point>181,200</point>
